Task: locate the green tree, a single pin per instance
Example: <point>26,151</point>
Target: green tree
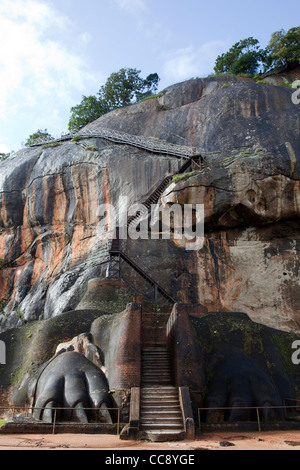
<point>38,137</point>
<point>243,57</point>
<point>4,156</point>
<point>121,89</point>
<point>284,47</point>
<point>89,109</point>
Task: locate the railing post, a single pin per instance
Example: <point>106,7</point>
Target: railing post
<point>118,423</point>
<point>258,420</point>
<point>199,419</point>
<point>54,421</point>
<point>155,294</point>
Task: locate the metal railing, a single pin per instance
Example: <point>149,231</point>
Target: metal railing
<point>147,143</point>
<point>28,412</point>
<point>256,409</point>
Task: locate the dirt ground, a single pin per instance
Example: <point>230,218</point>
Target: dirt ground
<point>287,440</point>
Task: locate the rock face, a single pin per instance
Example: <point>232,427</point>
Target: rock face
<point>52,229</point>
<point>52,232</point>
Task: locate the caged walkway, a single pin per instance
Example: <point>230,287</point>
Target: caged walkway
<point>150,144</point>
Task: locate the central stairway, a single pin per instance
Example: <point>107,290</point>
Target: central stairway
<point>160,410</point>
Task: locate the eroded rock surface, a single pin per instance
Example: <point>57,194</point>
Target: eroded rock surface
<point>51,233</point>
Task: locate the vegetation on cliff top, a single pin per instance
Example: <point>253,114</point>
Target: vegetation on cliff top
<point>121,89</point>
<point>246,56</point>
<point>127,87</point>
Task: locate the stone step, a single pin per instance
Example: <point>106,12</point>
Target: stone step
<point>158,357</point>
<point>160,409</point>
<point>160,389</point>
<point>156,350</point>
<point>160,399</point>
<point>162,427</point>
<point>163,400</point>
<point>159,395</point>
<point>155,367</point>
<point>155,357</point>
<point>161,415</point>
<point>155,382</point>
<point>166,420</point>
<point>153,352</point>
<point>155,403</point>
<point>157,373</point>
<point>156,364</point>
<point>164,412</point>
<point>159,379</point>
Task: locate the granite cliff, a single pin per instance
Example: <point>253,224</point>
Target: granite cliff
<point>51,232</point>
<point>242,284</point>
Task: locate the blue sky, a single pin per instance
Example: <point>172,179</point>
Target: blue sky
<point>54,51</point>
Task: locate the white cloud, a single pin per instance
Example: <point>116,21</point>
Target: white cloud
<point>131,5</point>
<point>38,74</point>
<point>4,148</point>
<point>85,39</point>
<point>191,61</point>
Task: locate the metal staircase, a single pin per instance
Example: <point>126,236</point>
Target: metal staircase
<point>115,271</point>
<point>115,252</point>
<point>155,195</point>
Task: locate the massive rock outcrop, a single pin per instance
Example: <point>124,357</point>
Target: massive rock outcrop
<point>54,233</point>
<point>51,231</point>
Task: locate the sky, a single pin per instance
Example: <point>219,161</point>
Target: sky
<point>55,51</point>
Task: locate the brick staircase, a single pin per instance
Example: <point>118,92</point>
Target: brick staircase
<point>160,411</point>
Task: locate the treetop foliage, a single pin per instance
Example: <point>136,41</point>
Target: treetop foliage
<point>127,87</point>
<point>38,137</point>
<point>121,89</point>
<point>246,57</point>
<point>284,47</point>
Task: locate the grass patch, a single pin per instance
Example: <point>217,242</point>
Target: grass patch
<point>244,153</point>
<point>288,84</point>
<point>92,147</point>
<point>184,176</point>
<point>261,82</point>
<point>77,138</point>
<point>151,97</point>
<point>51,144</point>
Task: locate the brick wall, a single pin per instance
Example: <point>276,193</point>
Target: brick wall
<point>186,356</point>
<point>127,350</point>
